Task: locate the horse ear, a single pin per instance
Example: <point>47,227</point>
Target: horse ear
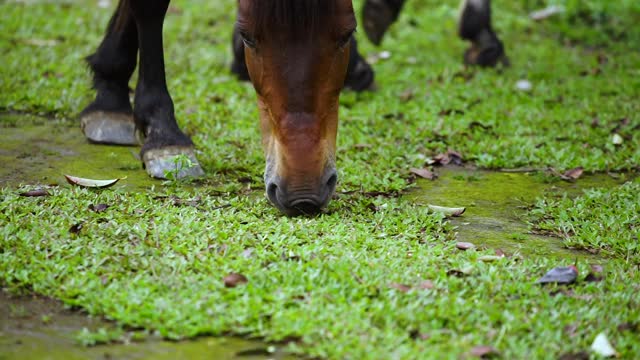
<point>377,17</point>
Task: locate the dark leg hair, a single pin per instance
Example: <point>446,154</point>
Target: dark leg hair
<point>108,119</point>
<point>360,75</point>
<point>378,15</point>
<point>153,111</point>
<point>475,25</point>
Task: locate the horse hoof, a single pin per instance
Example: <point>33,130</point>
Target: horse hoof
<point>103,127</point>
<point>174,162</point>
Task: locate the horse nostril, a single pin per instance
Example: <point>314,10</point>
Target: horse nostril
<point>306,207</point>
<point>331,183</point>
<point>272,191</point>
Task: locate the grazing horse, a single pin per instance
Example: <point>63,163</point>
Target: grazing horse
<point>299,55</point>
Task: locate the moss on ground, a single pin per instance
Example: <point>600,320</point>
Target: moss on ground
<point>335,285</point>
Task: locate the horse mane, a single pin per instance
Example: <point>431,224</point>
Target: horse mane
<point>297,17</point>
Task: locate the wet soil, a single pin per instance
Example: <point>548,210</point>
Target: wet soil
<point>496,206</point>
<point>33,327</point>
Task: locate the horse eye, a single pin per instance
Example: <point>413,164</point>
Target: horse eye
<point>345,39</point>
<point>248,40</point>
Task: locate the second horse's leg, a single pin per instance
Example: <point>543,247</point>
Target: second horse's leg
<point>109,118</point>
<point>165,144</point>
<point>475,25</point>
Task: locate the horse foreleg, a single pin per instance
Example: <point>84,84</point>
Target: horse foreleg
<point>378,15</point>
<point>109,118</point>
<point>475,25</point>
<point>154,116</point>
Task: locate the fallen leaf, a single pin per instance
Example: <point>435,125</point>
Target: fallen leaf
<point>447,112</point>
<point>247,253</point>
<point>617,139</point>
<point>447,210</point>
<point>362,146</point>
<point>234,279</point>
<point>524,85</point>
<point>490,258</point>
<point>35,193</point>
<point>484,352</point>
<point>591,277</point>
<point>465,271</point>
<point>41,42</point>
<point>602,346</point>
<point>582,355</point>
<point>419,336</point>
<point>407,95</point>
<point>560,275</point>
<point>90,183</point>
<point>633,327</point>
<point>573,174</point>
<point>449,157</point>
<point>98,207</point>
<point>571,330</point>
<point>402,287</point>
<point>545,13</point>
<point>426,285</point>
<point>424,173</point>
<point>75,228</point>
<point>464,245</point>
<point>182,202</point>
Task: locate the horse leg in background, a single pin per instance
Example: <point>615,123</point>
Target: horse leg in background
<point>475,25</point>
<point>153,110</point>
<point>360,75</point>
<point>109,118</point>
<point>378,15</point>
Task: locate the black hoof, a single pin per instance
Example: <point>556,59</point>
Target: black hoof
<point>486,57</point>
<point>175,162</point>
<point>104,127</point>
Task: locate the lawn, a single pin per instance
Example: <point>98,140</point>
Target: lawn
<point>377,276</point>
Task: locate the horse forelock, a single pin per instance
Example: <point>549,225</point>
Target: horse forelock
<point>297,17</point>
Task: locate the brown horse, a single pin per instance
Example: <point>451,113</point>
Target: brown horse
<point>299,55</point>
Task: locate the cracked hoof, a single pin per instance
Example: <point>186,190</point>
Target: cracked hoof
<point>103,127</point>
<point>175,162</point>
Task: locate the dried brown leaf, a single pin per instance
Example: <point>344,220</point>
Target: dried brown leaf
<point>402,287</point>
<point>35,193</point>
<point>234,279</point>
<point>484,352</point>
<point>573,174</point>
<point>424,173</point>
<point>98,207</point>
<point>75,228</point>
<point>581,355</point>
<point>464,245</point>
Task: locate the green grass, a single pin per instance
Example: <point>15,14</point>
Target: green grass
<point>599,220</point>
<point>326,282</point>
